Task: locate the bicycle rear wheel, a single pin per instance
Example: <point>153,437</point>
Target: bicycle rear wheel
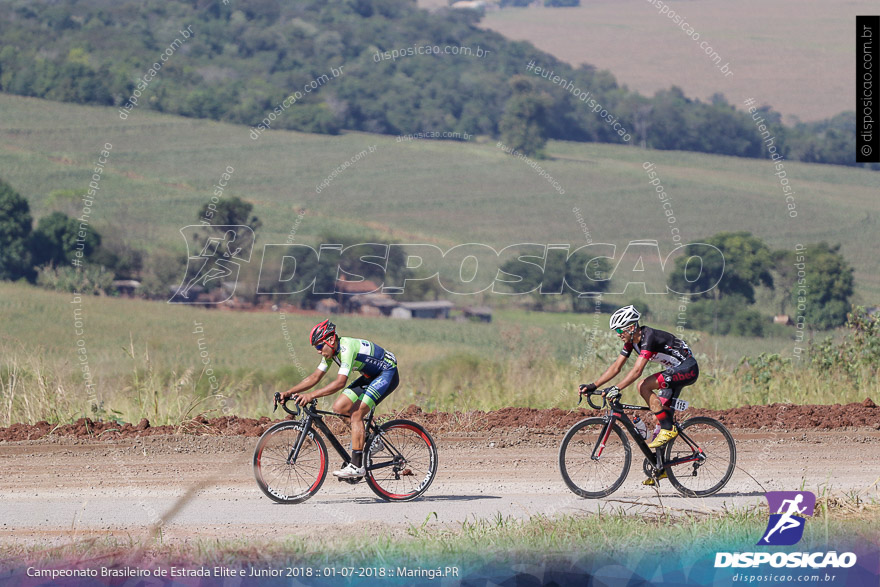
<point>709,453</point>
<point>589,477</point>
<point>280,480</point>
<point>401,461</point>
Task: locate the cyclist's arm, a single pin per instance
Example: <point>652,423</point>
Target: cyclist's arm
<point>330,388</point>
<point>307,383</point>
<point>612,371</point>
<point>634,373</point>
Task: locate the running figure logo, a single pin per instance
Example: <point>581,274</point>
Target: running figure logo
<point>786,526</point>
<point>218,260</point>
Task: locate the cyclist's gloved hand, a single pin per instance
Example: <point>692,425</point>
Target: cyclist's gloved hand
<point>611,393</point>
<point>587,388</point>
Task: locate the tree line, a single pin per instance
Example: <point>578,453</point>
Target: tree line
<point>813,283</point>
<point>244,59</point>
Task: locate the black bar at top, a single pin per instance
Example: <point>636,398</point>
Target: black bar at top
<point>867,87</point>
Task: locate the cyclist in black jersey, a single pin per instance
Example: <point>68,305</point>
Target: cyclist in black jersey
<point>681,370</point>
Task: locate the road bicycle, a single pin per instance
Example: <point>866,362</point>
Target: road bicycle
<point>595,455</point>
<point>290,460</point>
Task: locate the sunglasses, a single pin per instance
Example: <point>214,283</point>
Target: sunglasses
<point>619,330</point>
<point>319,347</point>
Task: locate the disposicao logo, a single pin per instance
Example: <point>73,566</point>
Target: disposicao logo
<point>786,527</point>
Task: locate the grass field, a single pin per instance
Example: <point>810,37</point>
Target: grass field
<point>162,169</point>
<point>795,55</point>
<point>149,359</point>
<point>146,360</point>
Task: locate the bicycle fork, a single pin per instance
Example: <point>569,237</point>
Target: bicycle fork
<point>294,452</point>
<point>603,439</point>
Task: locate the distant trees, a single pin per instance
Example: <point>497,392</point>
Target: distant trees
<point>524,123</point>
<point>15,229</point>
<point>815,281</point>
<point>58,237</point>
<point>54,243</point>
<point>745,263</point>
<point>243,62</point>
<point>827,281</point>
<point>230,211</point>
<point>545,278</point>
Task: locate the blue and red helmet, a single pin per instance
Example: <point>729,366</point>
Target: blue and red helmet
<point>322,332</point>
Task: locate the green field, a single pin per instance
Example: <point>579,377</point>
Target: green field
<point>795,55</point>
<point>147,360</point>
<point>162,168</point>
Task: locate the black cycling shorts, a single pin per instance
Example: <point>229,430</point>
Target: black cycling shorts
<point>674,379</point>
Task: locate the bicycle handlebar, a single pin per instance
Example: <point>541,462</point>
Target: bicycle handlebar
<point>589,396</point>
<point>283,404</point>
<point>594,406</point>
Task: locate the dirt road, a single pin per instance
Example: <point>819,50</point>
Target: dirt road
<point>56,488</point>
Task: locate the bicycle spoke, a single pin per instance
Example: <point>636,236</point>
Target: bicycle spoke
<point>707,441</point>
<point>408,460</point>
<point>586,476</point>
<point>281,480</point>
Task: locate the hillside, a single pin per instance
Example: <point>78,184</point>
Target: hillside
<point>162,169</point>
<point>377,66</point>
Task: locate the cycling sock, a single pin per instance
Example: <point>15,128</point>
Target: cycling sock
<point>357,458</point>
<point>664,418</point>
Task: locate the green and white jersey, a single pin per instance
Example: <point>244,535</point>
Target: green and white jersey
<point>360,355</point>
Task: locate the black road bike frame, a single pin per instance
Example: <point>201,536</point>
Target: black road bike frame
<point>312,416</point>
<point>655,456</point>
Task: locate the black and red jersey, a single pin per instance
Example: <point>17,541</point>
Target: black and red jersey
<point>659,346</point>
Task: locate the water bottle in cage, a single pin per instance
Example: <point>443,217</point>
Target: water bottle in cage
<point>640,426</point>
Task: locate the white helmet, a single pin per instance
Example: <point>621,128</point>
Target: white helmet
<point>624,317</point>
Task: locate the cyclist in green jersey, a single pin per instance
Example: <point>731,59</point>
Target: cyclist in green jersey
<point>379,378</point>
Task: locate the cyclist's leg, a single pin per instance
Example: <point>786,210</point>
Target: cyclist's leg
<point>380,387</point>
<point>350,402</point>
<point>675,379</point>
<point>646,390</point>
<point>344,404</point>
<point>364,395</point>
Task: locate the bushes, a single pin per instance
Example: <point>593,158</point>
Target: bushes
<point>728,315</point>
<point>89,280</point>
<point>857,355</point>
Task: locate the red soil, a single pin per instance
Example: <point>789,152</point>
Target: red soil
<point>774,416</point>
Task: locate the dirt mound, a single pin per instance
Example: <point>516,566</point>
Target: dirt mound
<point>87,428</point>
<point>774,416</point>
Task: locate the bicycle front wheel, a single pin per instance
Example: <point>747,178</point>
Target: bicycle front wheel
<point>707,456</point>
<point>589,468</point>
<point>278,478</point>
<point>401,461</point>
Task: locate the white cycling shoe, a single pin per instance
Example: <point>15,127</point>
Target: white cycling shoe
<point>349,471</point>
